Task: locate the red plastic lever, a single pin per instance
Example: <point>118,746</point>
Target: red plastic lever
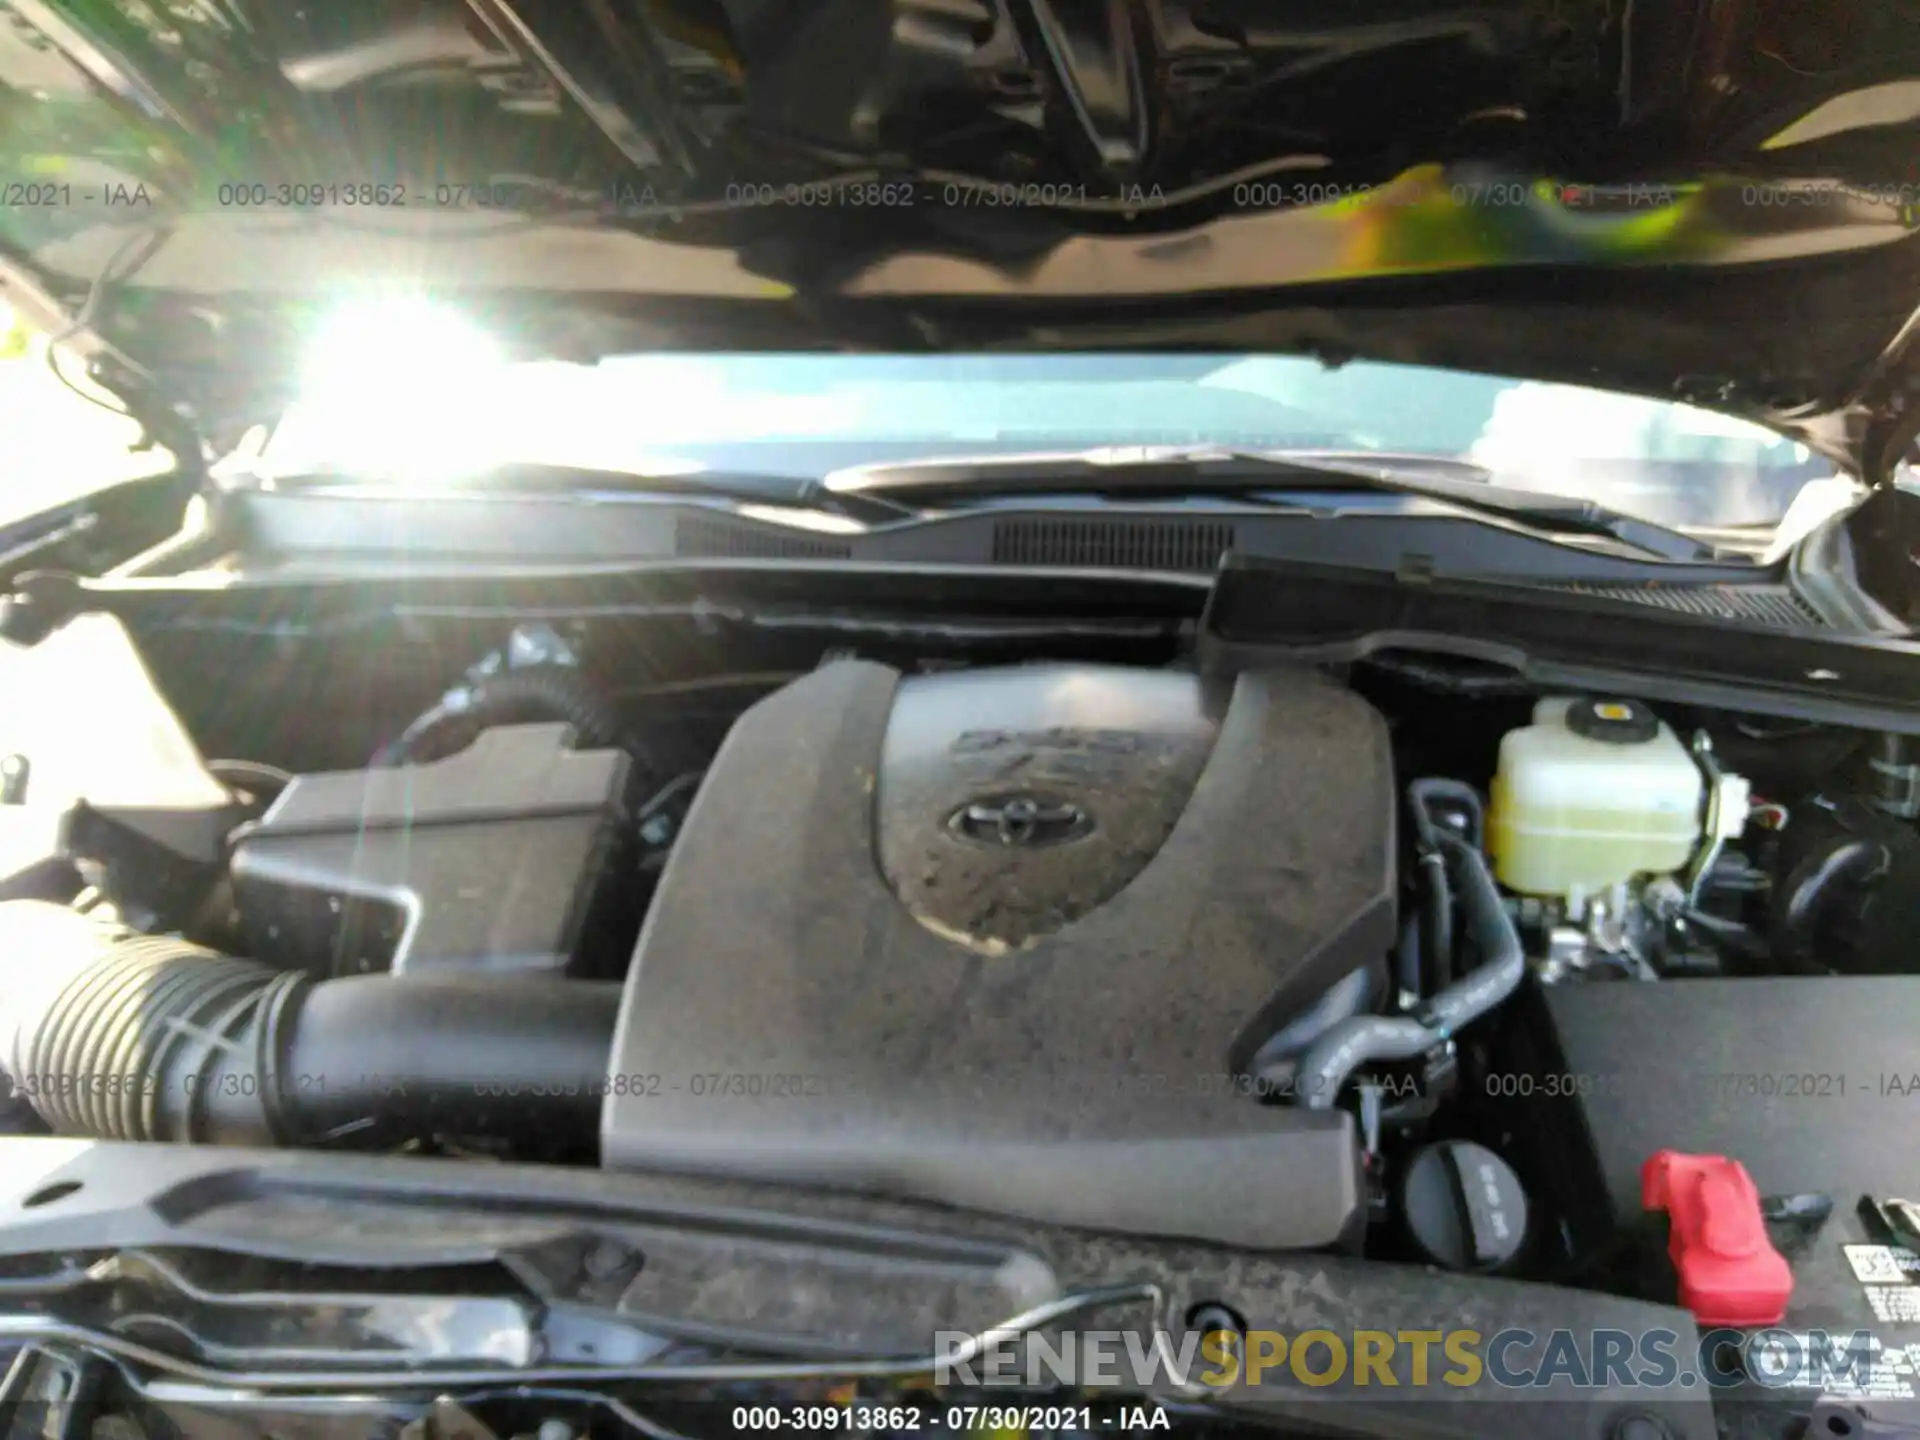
<point>1730,1274</point>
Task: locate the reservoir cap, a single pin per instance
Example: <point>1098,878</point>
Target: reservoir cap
<point>1613,722</point>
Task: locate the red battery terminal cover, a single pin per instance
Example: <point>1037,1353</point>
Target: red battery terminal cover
<point>1730,1274</point>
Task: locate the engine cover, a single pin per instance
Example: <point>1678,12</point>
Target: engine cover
<point>1007,938</point>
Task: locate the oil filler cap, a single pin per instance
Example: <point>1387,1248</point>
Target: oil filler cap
<point>1463,1206</point>
<point>1613,722</point>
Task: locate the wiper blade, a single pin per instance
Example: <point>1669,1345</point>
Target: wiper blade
<point>1180,473</point>
<point>789,492</point>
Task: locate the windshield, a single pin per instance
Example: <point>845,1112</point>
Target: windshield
<point>807,415</point>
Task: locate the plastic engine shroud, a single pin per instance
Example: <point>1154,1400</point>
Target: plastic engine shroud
<point>1004,938</point>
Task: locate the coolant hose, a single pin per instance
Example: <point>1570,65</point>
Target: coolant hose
<point>1436,939</point>
<point>122,1036</point>
<point>1423,792</point>
<point>1366,1038</point>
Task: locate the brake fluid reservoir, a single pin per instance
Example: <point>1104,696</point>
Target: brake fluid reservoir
<point>1592,793</point>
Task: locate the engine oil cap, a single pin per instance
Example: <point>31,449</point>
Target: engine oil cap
<point>1613,722</point>
<point>1463,1206</point>
<point>1728,1270</point>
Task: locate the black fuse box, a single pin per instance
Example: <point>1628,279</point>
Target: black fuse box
<point>1809,1082</point>
<point>508,857</point>
<point>1806,1080</point>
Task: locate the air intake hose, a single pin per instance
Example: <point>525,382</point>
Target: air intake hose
<point>122,1036</point>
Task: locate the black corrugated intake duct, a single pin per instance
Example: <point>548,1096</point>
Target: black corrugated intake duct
<point>117,1035</point>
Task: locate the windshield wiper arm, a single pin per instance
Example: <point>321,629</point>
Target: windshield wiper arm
<point>416,1352</point>
<point>1183,473</point>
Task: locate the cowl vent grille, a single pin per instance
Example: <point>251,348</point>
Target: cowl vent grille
<point>1755,604</point>
<point>1126,544</point>
<point>698,537</point>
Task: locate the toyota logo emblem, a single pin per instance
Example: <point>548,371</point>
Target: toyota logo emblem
<point>1020,821</point>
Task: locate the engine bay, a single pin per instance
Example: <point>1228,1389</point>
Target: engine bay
<point>1283,958</point>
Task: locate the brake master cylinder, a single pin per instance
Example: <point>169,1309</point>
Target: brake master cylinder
<point>1590,795</point>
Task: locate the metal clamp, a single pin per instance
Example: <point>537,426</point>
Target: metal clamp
<point>1716,840</point>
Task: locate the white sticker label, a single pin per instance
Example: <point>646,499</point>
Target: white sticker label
<point>1895,1304</point>
<point>1895,1368</point>
<point>1884,1372</point>
<point>1882,1264</point>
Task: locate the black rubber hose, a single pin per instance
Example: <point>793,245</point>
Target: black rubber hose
<point>1806,891</point>
<point>1503,961</point>
<point>1368,1038</point>
<point>131,1037</point>
<point>1436,917</point>
<point>513,697</point>
<point>1424,792</point>
<point>1437,900</point>
<point>1409,973</point>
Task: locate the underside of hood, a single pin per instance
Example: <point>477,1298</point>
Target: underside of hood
<point>1713,201</point>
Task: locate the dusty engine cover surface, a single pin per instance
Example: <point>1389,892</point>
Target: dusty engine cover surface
<point>1003,938</point>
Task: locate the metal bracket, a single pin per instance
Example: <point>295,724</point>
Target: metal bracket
<point>1096,61</point>
<point>647,137</point>
<point>48,1395</point>
<point>1715,841</point>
